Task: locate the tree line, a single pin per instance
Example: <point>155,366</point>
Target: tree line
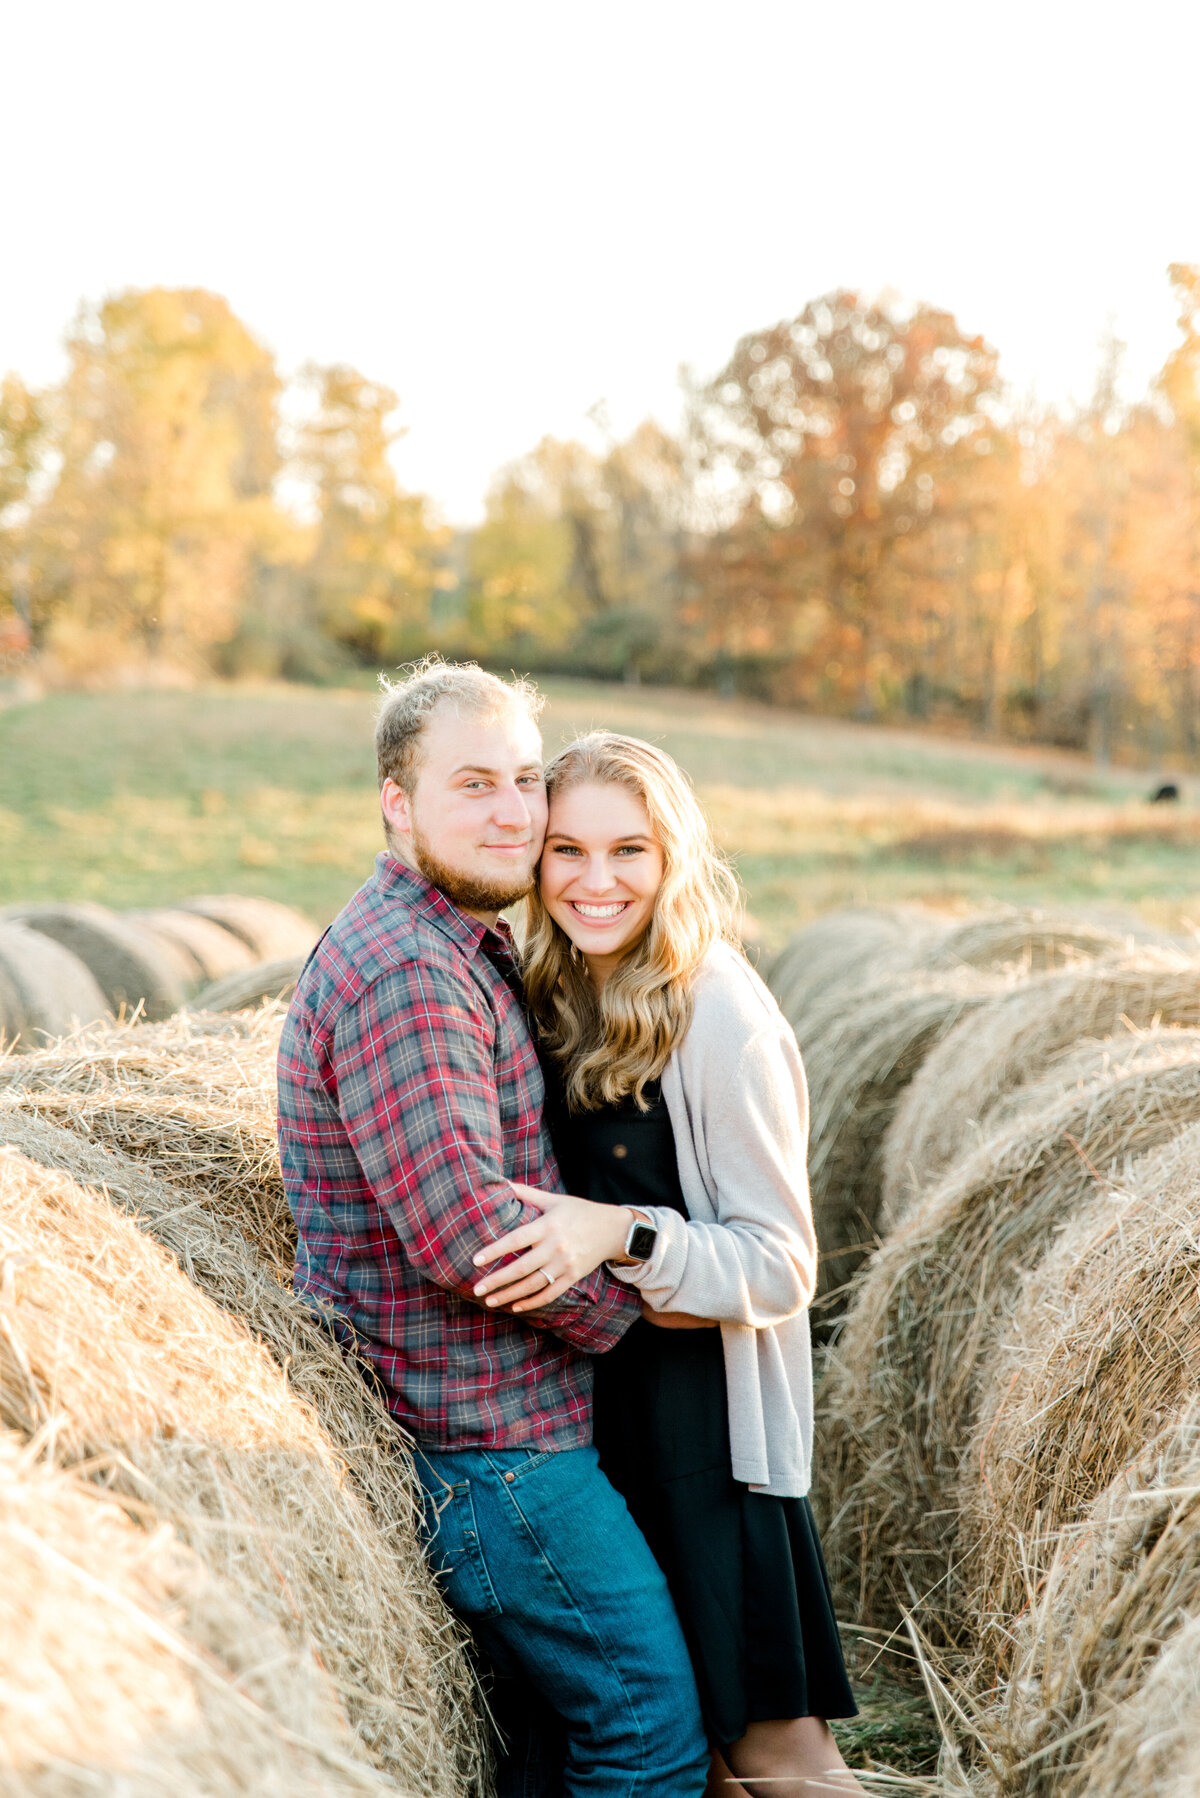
<point>855,516</point>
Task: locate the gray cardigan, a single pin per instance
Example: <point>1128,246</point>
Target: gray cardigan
<point>747,1252</point>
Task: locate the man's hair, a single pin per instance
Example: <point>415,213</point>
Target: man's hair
<point>408,703</point>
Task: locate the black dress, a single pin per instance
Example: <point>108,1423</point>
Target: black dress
<point>745,1570</point>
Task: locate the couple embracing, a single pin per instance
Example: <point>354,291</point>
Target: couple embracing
<point>556,1197</point>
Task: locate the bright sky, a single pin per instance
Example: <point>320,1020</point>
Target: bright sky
<point>510,211</point>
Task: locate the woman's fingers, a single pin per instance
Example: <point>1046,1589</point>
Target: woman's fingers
<point>521,1269</point>
<point>546,1295</point>
<point>523,1237</point>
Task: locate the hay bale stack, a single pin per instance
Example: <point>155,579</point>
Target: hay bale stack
<point>129,1669</point>
<point>905,1384</point>
<point>44,989</point>
<point>1104,1692</point>
<point>1030,940</point>
<point>1102,1351</point>
<point>268,929</point>
<point>130,967</point>
<point>210,951</point>
<point>844,947</point>
<point>193,1098</point>
<point>1011,1041</point>
<point>860,1057</point>
<point>121,1362</point>
<point>262,984</point>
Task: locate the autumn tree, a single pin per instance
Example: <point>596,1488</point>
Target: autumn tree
<point>578,557</point>
<point>22,435</point>
<point>377,557</point>
<point>166,434</point>
<point>820,448</point>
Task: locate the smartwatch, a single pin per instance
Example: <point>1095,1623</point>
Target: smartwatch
<point>639,1244</point>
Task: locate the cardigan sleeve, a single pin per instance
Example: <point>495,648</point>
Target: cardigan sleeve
<point>757,1264</point>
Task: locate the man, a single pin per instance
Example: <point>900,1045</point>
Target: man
<point>410,1105</point>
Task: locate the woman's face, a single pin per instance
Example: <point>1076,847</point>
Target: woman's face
<point>601,869</point>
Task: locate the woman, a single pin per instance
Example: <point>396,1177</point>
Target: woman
<point>677,1101</point>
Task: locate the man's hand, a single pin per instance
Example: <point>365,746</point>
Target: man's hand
<point>570,1239</point>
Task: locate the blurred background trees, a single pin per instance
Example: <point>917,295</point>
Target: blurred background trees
<point>855,517</point>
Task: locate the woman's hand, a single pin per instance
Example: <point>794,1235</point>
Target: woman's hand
<point>676,1320</point>
<point>570,1239</point>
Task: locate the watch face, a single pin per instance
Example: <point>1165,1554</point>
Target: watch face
<point>642,1239</point>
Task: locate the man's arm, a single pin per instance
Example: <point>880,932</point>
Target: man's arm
<point>417,1095</point>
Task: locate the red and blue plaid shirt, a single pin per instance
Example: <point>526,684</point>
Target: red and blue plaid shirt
<point>410,1097</point>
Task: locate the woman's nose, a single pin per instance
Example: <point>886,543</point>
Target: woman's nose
<point>597,875</point>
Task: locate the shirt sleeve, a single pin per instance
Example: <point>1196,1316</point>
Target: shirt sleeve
<point>413,1062</point>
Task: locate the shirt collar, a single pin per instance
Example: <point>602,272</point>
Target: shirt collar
<point>396,877</point>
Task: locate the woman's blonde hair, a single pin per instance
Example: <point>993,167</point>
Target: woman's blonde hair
<point>614,1042</point>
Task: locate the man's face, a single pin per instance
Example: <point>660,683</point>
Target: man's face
<point>476,817</point>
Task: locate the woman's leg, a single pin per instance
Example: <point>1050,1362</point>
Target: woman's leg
<point>794,1757</point>
<point>721,1783</point>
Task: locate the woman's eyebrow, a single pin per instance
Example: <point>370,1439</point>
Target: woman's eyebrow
<point>564,836</point>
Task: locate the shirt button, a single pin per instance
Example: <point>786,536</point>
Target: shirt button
<point>509,1478</point>
<point>620,1151</point>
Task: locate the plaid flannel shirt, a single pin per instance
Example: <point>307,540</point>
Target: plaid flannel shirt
<point>410,1097</point>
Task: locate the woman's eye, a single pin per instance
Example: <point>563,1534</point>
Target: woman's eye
<point>565,849</point>
<point>631,849</point>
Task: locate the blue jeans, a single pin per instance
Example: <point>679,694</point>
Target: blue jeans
<point>538,1554</point>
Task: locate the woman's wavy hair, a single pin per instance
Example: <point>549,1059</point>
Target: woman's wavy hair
<point>617,1041</point>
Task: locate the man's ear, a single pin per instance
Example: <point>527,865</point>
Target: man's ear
<point>397,813</point>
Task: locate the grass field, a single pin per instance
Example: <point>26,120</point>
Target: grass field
<point>136,798</point>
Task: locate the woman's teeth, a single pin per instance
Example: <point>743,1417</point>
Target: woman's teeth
<point>600,911</point>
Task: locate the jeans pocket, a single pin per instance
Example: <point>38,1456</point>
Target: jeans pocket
<point>452,1548</point>
<point>513,1465</point>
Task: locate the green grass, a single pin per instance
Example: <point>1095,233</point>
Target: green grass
<point>140,798</point>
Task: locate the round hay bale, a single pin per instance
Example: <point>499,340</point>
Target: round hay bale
<point>906,1380</point>
<point>1102,1351</point>
<point>851,945</point>
<point>131,968</point>
<point>210,951</point>
<point>859,1060</point>
<point>129,1669</point>
<point>44,989</point>
<point>1104,1692</point>
<point>264,983</point>
<point>268,929</point>
<point>193,1098</point>
<point>1012,1040</point>
<point>1029,940</point>
<point>128,1367</point>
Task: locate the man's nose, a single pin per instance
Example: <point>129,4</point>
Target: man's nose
<point>511,810</point>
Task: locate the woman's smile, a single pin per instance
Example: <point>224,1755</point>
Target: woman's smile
<point>601,870</point>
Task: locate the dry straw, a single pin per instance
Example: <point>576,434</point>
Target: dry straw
<point>906,1379</point>
<point>1011,1041</point>
<point>1102,1351</point>
<point>1104,1696</point>
<point>194,1098</point>
<point>1031,941</point>
<point>265,982</point>
<point>130,1669</point>
<point>145,1363</point>
<point>835,954</point>
<point>860,1058</point>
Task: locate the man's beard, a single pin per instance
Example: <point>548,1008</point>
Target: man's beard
<point>461,889</point>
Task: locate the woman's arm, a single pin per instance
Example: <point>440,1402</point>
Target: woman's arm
<point>757,1264</point>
